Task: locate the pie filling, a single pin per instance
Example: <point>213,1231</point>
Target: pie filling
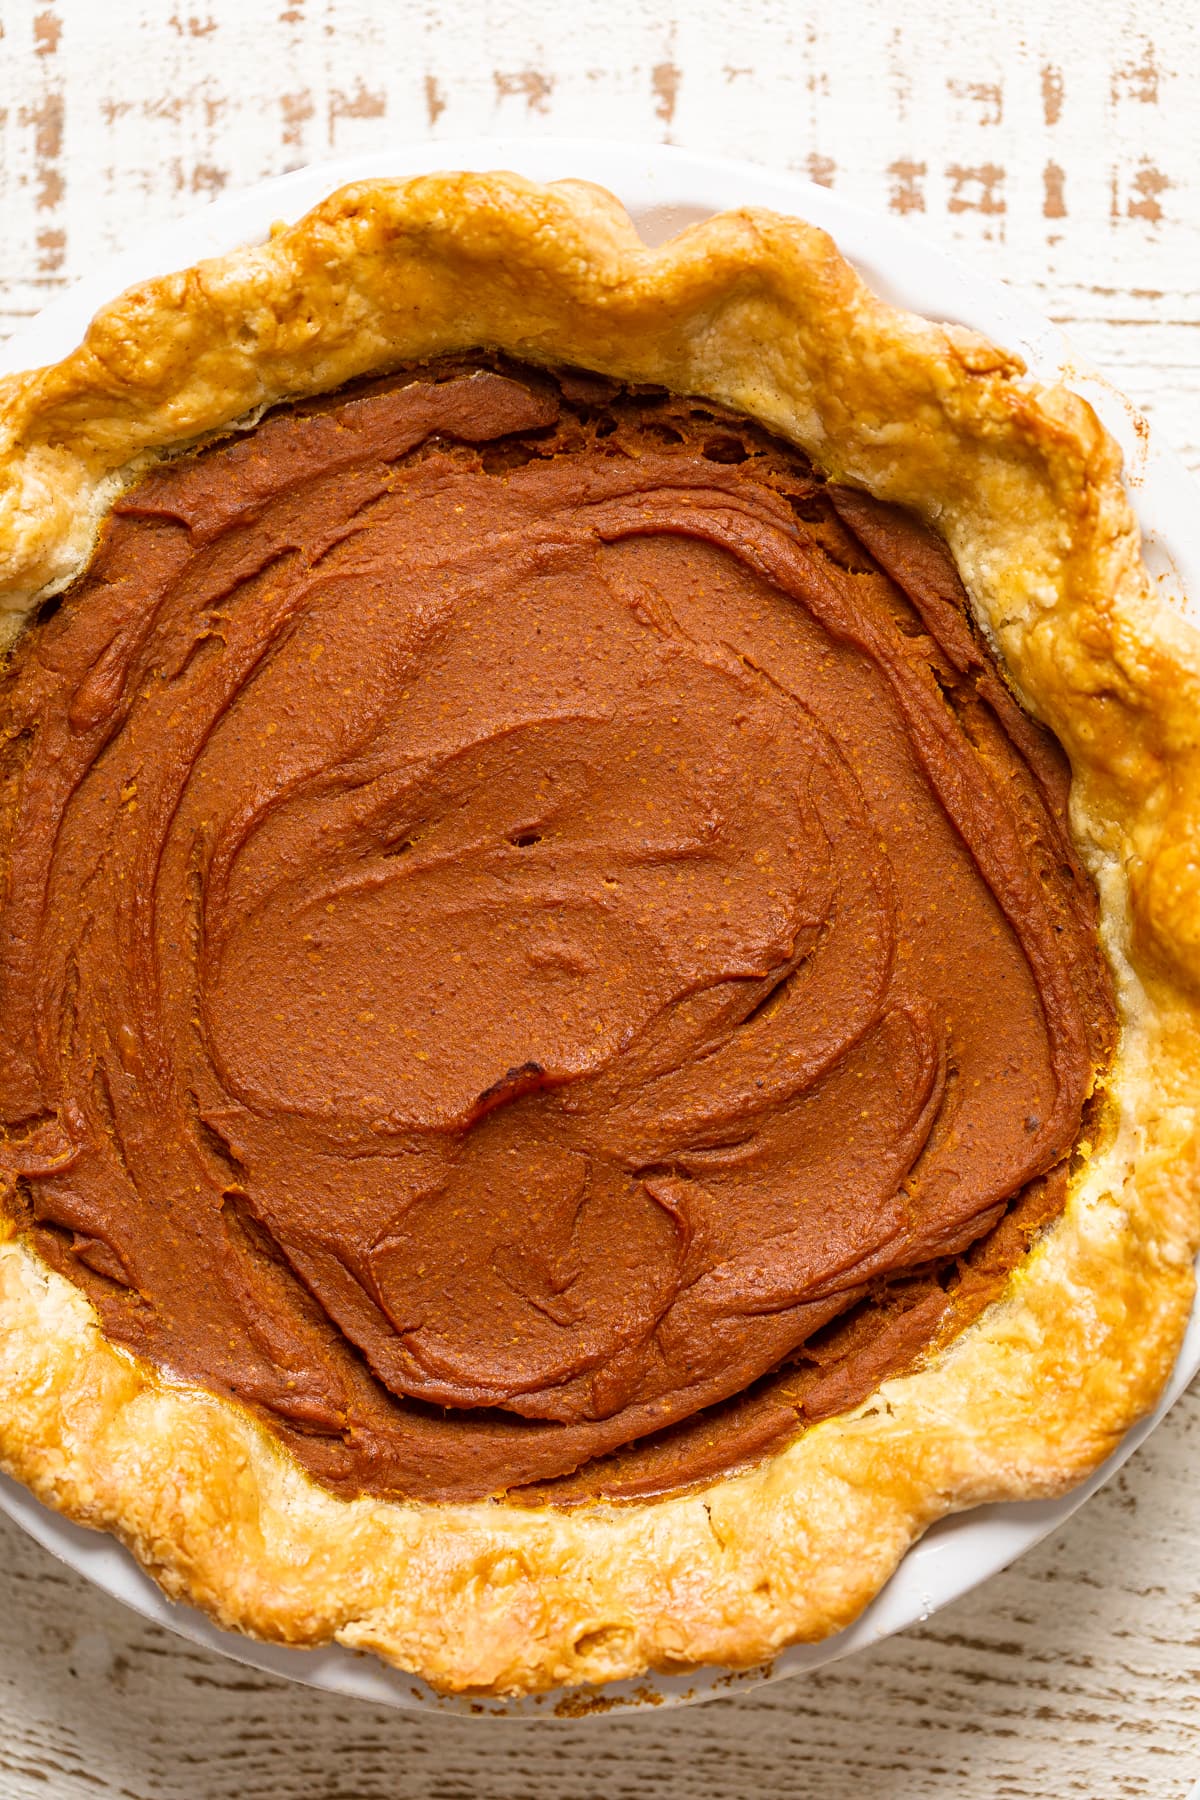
<point>538,953</point>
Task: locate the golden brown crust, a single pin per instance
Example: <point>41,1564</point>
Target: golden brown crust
<point>762,314</point>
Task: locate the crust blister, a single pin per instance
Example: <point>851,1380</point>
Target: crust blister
<point>761,314</point>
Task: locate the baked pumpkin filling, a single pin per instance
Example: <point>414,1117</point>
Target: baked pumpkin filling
<point>538,953</point>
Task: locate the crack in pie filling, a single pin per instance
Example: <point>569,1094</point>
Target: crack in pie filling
<point>538,948</point>
<point>599,989</point>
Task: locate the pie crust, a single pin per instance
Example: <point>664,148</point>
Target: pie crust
<point>761,314</point>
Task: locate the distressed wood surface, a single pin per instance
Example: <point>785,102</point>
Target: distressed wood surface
<point>1061,152</point>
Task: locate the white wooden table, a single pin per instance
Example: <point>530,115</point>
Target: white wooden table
<point>1058,147</point>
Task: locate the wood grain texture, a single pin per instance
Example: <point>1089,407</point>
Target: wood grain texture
<point>1062,154</point>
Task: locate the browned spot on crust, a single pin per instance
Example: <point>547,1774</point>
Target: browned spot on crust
<point>529,84</point>
<point>583,1704</point>
<point>664,80</point>
<point>979,188</point>
<point>1054,205</point>
<point>586,1703</point>
<point>1052,93</point>
<point>907,194</point>
<point>435,100</point>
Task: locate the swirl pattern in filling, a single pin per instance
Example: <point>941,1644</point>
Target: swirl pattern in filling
<point>539,954</point>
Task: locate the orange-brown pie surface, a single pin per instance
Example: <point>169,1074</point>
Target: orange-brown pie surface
<point>537,951</point>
